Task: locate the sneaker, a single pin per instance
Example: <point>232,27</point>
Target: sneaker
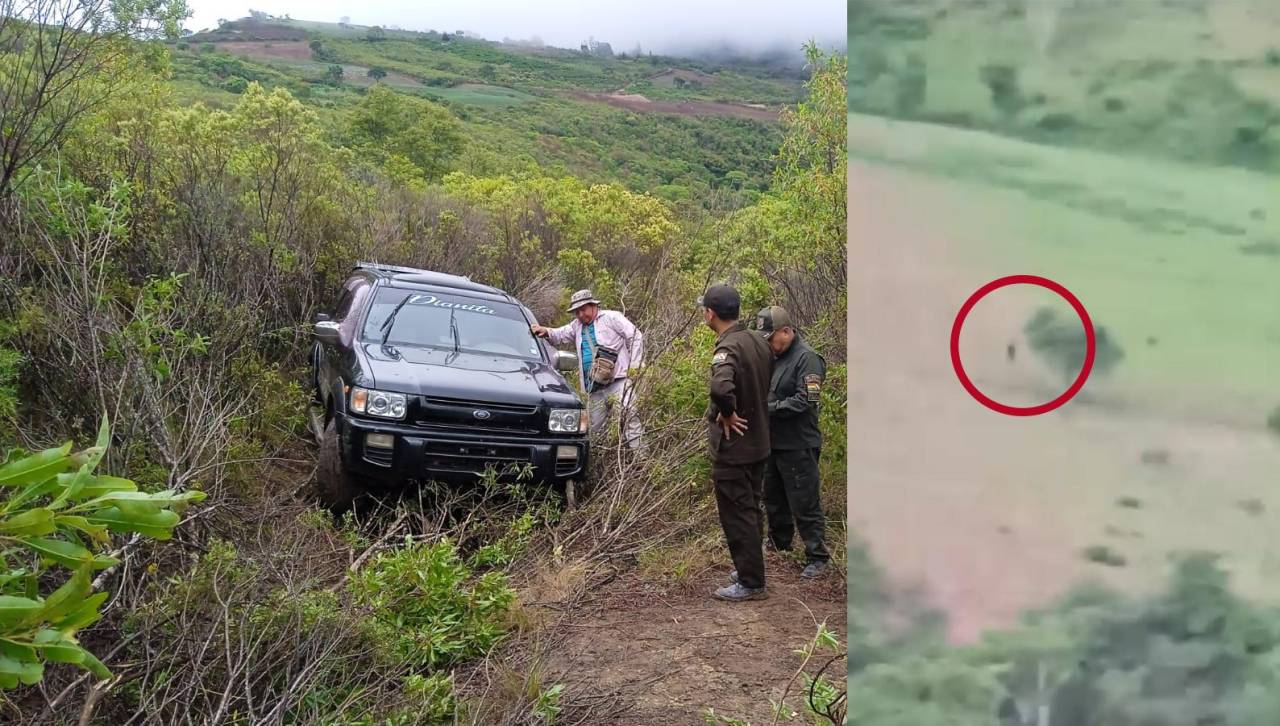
<point>814,569</point>
<point>733,576</point>
<point>737,593</point>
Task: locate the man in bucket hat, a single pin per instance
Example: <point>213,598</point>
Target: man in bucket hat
<point>605,334</point>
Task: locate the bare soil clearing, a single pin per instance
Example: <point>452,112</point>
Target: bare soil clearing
<point>989,514</point>
<point>664,654</point>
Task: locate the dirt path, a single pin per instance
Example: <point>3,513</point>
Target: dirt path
<point>668,653</point>
<point>991,514</point>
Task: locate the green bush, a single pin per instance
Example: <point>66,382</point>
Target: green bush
<point>56,517</point>
<point>235,84</point>
<point>426,603</point>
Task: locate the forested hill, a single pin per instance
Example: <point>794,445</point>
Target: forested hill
<point>676,127</point>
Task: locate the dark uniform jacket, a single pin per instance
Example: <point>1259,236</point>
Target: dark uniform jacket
<point>794,394</point>
<point>740,371</point>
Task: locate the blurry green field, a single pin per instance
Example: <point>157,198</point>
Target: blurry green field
<point>478,95</point>
<point>1188,255</point>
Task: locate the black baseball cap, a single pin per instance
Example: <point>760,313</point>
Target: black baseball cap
<point>722,300</point>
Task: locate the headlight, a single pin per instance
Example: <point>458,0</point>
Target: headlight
<point>377,403</point>
<point>568,420</point>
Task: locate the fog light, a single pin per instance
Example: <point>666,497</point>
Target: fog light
<point>566,452</point>
<point>380,441</point>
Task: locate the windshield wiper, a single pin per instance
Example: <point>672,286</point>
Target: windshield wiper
<point>391,319</point>
<point>453,328</point>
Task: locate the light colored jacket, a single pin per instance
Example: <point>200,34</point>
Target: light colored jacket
<point>613,330</point>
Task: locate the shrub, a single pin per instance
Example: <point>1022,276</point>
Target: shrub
<point>235,84</point>
<point>56,516</point>
<point>425,602</point>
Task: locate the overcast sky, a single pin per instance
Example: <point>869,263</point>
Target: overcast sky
<point>654,24</point>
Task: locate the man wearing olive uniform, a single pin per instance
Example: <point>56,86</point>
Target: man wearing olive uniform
<point>791,480</point>
<point>738,427</point>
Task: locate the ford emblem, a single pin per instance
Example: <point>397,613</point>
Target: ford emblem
<point>482,415</point>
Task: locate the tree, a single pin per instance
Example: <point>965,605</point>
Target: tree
<point>488,73</point>
<point>376,34</point>
<point>377,73</point>
<point>344,21</point>
<point>413,129</point>
<point>63,59</point>
<point>334,73</point>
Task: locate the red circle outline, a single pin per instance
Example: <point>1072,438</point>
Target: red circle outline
<point>1090,345</point>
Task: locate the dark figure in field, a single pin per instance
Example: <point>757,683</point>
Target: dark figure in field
<point>1010,351</point>
<point>791,479</point>
<point>738,429</point>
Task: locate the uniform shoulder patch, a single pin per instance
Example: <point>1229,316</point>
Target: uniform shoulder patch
<point>720,357</point>
<point>813,387</point>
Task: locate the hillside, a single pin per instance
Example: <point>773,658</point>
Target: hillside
<point>678,128</point>
<point>1192,80</point>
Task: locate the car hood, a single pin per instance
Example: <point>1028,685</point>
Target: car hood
<point>470,376</point>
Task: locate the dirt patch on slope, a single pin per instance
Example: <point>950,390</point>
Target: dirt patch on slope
<point>666,653</point>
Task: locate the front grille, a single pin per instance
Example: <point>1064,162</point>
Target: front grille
<point>455,414</point>
<point>474,458</point>
<point>518,409</point>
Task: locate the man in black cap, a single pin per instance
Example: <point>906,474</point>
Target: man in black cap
<point>738,426</point>
<point>791,479</point>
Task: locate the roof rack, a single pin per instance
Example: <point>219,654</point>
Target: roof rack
<point>397,269</point>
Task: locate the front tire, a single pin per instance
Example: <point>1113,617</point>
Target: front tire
<point>335,487</point>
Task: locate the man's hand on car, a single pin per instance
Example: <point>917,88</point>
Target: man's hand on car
<point>539,331</point>
<point>733,424</point>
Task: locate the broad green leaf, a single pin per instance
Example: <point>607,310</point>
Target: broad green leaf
<point>83,616</point>
<point>36,468</point>
<point>17,651</point>
<point>101,485</point>
<point>96,531</point>
<point>57,647</point>
<point>27,673</point>
<point>29,523</point>
<point>67,554</point>
<point>63,653</point>
<point>48,636</point>
<point>8,681</point>
<point>95,666</point>
<point>158,525</point>
<point>77,482</point>
<point>15,610</point>
<point>68,597</point>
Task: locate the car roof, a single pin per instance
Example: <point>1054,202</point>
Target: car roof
<point>411,278</point>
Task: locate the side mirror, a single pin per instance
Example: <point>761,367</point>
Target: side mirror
<point>323,317</point>
<point>326,332</point>
<point>566,361</point>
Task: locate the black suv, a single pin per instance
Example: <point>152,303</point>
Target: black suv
<point>427,376</point>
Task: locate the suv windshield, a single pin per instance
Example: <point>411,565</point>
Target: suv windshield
<point>429,319</point>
